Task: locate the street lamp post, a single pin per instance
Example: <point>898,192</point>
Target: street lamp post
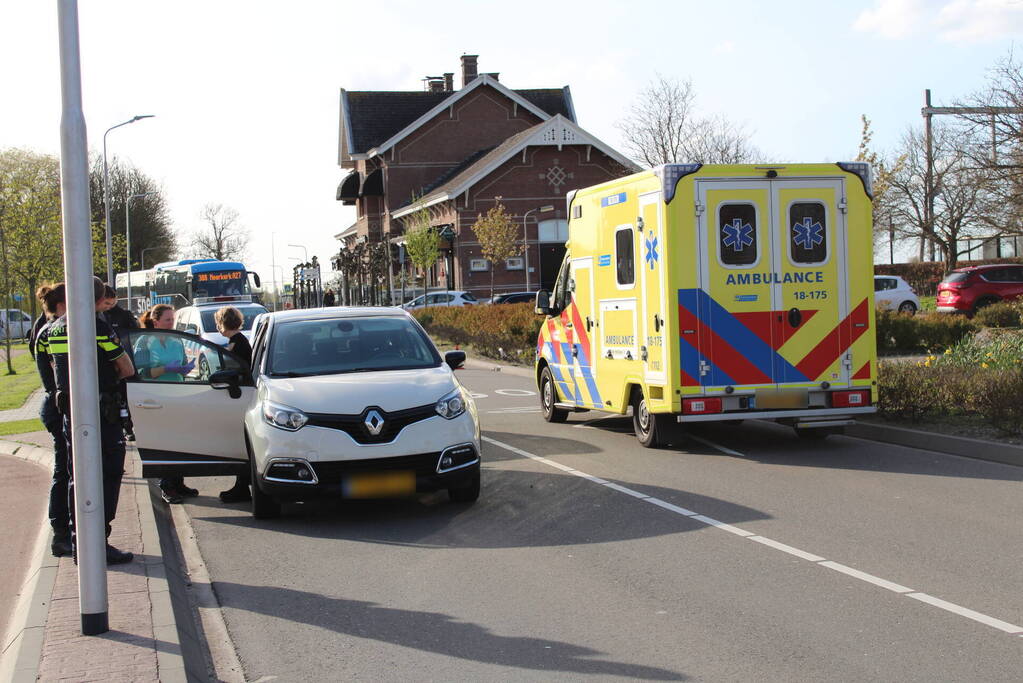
<point>525,235</point>
<point>106,195</point>
<point>127,239</point>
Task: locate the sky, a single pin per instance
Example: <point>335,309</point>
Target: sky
<point>246,93</point>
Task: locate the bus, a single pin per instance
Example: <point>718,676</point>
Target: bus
<point>180,283</point>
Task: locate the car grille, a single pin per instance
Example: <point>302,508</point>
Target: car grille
<point>423,464</point>
<point>355,427</point>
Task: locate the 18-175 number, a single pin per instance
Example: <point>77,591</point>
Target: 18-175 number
<point>812,294</point>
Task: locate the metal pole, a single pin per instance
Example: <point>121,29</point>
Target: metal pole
<point>273,266</point>
<point>127,239</point>
<point>891,240</point>
<point>106,196</point>
<point>90,532</point>
<point>525,241</point>
<point>929,176</point>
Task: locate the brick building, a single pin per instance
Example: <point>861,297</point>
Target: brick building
<point>455,152</point>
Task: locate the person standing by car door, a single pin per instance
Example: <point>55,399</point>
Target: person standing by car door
<point>113,364</point>
<point>229,322</point>
<point>54,306</point>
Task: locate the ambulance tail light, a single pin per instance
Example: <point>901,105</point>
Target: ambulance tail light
<point>701,406</point>
<point>850,399</point>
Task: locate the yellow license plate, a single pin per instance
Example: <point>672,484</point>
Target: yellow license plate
<point>777,399</point>
<point>380,485</point>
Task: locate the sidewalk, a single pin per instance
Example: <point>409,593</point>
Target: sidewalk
<point>44,641</point>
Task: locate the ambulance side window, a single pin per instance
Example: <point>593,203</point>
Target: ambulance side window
<point>625,256</point>
<point>561,295</point>
<point>737,234</point>
<point>808,234</point>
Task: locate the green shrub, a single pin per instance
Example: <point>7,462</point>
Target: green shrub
<point>505,330</point>
<point>997,398</point>
<point>1001,314</point>
<point>922,333</point>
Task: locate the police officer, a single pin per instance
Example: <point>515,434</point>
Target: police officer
<point>113,365</point>
<point>121,323</point>
<point>54,306</point>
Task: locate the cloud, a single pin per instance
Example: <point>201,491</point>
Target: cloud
<point>893,18</point>
<point>724,48</point>
<point>953,21</point>
<point>970,21</point>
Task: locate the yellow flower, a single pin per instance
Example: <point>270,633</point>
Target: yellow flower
<point>983,365</point>
<point>948,352</point>
<point>927,363</point>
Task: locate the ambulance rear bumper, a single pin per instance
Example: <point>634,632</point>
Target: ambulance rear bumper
<point>832,413</point>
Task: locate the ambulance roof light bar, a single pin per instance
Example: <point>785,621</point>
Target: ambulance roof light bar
<point>670,174</point>
<point>861,169</point>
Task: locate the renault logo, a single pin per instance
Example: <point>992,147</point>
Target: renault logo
<point>374,422</point>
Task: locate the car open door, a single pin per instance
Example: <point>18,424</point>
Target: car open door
<point>192,423</point>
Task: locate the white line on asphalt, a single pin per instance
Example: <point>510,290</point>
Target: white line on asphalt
<point>763,540</point>
<point>706,442</point>
<point>514,392</point>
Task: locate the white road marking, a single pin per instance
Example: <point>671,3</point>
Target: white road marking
<point>706,442</point>
<point>473,394</point>
<point>515,392</point>
<point>763,540</point>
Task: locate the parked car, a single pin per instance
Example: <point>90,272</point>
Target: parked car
<point>966,290</point>
<point>895,294</point>
<point>514,298</point>
<point>340,402</point>
<point>452,298</point>
<point>16,323</point>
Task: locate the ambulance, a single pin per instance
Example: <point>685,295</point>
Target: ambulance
<point>707,293</point>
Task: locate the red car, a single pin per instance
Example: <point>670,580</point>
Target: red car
<point>966,290</point>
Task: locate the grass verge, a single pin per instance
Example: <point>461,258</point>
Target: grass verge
<point>14,389</point>
<point>21,426</point>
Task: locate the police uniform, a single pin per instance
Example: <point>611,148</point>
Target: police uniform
<point>60,519</point>
<point>108,350</point>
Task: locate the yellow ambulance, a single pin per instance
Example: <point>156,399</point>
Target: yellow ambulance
<point>695,293</point>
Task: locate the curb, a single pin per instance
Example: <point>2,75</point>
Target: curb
<point>23,644</point>
<point>978,449</point>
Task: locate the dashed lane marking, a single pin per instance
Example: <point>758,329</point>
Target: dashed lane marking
<point>950,607</point>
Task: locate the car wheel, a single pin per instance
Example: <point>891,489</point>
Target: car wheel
<point>204,369</point>
<point>264,506</point>
<point>467,493</point>
<point>549,398</point>
<point>907,307</point>
<point>653,430</point>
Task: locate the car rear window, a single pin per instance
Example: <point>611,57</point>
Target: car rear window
<point>249,313</point>
<point>468,296</point>
<point>955,277</point>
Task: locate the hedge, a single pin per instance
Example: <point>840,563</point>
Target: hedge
<point>498,331</point>
<point>899,333</point>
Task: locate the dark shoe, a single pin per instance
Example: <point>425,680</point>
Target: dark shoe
<point>171,496</point>
<point>115,556</point>
<point>61,546</point>
<point>186,492</point>
<point>236,494</point>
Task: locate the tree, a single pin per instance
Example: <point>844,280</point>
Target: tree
<point>422,242</point>
<point>222,238</point>
<point>150,220</point>
<point>662,127</point>
<point>498,237</point>
<point>883,171</point>
<point>963,203</point>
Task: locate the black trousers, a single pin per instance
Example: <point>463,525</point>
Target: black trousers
<point>60,517</point>
<point>112,454</point>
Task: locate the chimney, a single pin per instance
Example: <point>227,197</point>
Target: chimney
<point>449,82</point>
<point>433,84</point>
<point>469,71</point>
<point>494,75</point>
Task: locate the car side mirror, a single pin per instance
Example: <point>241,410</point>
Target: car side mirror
<point>227,379</point>
<point>543,303</point>
<point>455,359</point>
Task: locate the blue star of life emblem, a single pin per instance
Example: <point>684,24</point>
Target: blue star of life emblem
<point>651,252</point>
<point>738,235</point>
<point>808,233</point>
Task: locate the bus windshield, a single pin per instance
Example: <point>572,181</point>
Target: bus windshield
<point>219,283</point>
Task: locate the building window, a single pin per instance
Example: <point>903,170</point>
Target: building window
<point>553,230</point>
<point>515,263</point>
<point>737,234</point>
<point>624,255</point>
<point>808,234</point>
<point>479,265</point>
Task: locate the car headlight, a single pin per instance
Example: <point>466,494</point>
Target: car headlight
<point>283,417</point>
<point>452,405</point>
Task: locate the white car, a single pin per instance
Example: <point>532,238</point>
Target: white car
<point>341,402</point>
<point>454,298</point>
<point>895,294</point>
<point>16,323</point>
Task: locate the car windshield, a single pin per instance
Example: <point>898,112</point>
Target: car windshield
<point>248,312</point>
<point>342,345</point>
<point>955,277</point>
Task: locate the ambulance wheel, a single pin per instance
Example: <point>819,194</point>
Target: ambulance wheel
<point>652,430</point>
<point>549,397</point>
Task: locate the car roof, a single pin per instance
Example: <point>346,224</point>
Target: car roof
<point>986,266</point>
<point>329,312</point>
